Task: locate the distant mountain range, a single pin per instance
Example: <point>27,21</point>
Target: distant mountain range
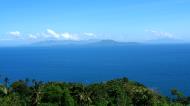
<point>82,43</point>
<point>92,42</point>
<point>106,42</point>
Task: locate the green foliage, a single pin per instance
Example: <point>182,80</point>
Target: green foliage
<point>67,99</point>
<point>118,92</point>
<point>176,93</point>
<point>179,97</point>
<point>101,102</point>
<point>21,88</point>
<point>3,90</point>
<point>52,93</point>
<point>141,95</point>
<point>11,100</point>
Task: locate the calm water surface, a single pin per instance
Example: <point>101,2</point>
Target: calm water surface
<point>159,67</point>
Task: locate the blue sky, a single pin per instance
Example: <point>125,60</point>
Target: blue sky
<point>122,20</point>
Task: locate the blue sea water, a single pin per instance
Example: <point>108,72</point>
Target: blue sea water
<point>160,67</point>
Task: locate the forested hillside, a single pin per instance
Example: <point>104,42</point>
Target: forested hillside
<point>118,92</point>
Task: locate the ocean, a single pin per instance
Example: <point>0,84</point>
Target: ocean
<point>160,67</point>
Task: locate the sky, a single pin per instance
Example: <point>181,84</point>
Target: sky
<point>120,20</point>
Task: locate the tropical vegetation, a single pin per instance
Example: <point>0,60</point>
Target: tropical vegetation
<point>118,92</point>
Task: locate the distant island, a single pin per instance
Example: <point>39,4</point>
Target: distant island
<point>106,42</point>
<point>89,42</point>
<point>118,92</point>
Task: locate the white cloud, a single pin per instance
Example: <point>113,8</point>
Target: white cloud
<point>89,34</point>
<point>53,33</point>
<point>48,35</point>
<point>69,36</point>
<point>61,36</point>
<point>15,34</point>
<point>160,33</point>
<point>33,37</point>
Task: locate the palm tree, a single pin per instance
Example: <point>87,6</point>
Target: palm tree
<point>81,95</point>
<point>35,97</point>
<point>84,98</point>
<point>3,90</point>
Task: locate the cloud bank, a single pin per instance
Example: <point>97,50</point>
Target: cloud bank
<point>89,34</point>
<point>15,34</point>
<point>161,34</point>
<point>53,34</point>
<point>49,34</point>
<point>32,37</point>
<point>62,36</point>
